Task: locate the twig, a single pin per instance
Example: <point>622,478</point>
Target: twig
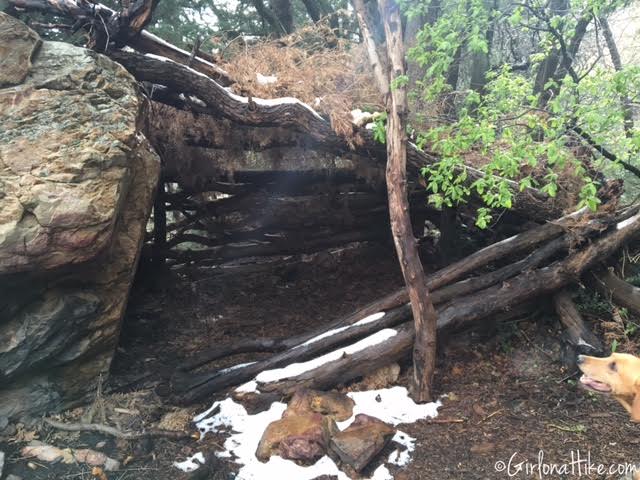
<point>445,420</point>
<point>562,380</point>
<point>59,26</point>
<point>489,416</point>
<point>114,432</point>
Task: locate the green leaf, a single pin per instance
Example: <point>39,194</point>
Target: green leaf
<point>399,82</point>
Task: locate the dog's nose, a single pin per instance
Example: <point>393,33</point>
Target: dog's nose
<point>580,359</point>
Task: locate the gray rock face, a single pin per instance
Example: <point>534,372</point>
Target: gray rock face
<point>76,188</point>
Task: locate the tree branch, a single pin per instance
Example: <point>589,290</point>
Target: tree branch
<point>604,151</point>
<point>95,17</point>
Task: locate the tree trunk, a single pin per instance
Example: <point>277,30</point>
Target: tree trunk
<point>617,64</point>
<point>382,80</point>
<point>424,314</point>
<point>284,13</point>
<point>313,9</point>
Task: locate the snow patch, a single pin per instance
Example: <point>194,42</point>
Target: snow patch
<point>266,79</point>
<point>360,118</point>
<point>364,321</point>
<point>392,405</point>
<point>402,457</point>
<point>627,222</point>
<point>235,367</point>
<point>581,342</point>
<point>169,46</point>
<point>370,318</point>
<point>190,464</point>
<point>295,369</point>
<point>248,387</point>
<point>158,57</point>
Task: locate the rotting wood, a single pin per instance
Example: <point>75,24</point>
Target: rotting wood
<point>390,303</point>
<point>97,18</point>
<point>612,287</point>
<point>524,287</point>
<point>441,282</point>
<point>580,336</point>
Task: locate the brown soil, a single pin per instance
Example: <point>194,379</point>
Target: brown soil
<point>506,390</point>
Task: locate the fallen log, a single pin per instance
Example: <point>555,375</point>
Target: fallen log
<point>190,388</point>
<point>580,336</point>
<point>292,113</point>
<point>380,349</point>
<point>440,296</point>
<point>580,221</point>
<point>361,358</point>
<point>275,246</point>
<point>612,287</point>
<point>126,27</point>
<point>542,281</point>
<point>342,366</point>
<point>447,275</point>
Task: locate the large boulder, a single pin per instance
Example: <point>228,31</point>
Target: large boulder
<point>76,187</point>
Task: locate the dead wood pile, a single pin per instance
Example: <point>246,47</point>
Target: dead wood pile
<point>538,262</point>
<point>263,202</point>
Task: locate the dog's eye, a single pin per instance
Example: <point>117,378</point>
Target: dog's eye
<point>613,366</point>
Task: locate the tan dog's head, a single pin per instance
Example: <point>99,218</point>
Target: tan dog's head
<point>618,374</point>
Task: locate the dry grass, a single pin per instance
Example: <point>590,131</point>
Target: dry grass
<point>332,75</point>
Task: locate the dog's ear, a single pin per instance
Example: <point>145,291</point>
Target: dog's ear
<point>635,406</point>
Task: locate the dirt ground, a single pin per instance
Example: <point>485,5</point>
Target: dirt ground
<point>506,395</point>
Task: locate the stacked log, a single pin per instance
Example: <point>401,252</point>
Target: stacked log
<point>208,230</point>
<point>555,256</point>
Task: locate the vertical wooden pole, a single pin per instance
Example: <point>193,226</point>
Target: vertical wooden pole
<point>424,314</point>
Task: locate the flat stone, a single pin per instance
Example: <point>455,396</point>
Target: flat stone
<point>332,404</point>
<point>18,43</point>
<point>303,438</point>
<point>359,443</point>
